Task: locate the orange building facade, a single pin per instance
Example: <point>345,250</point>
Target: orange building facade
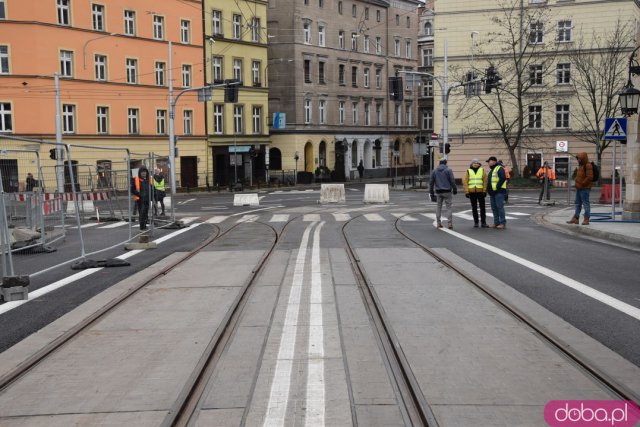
<point>113,61</point>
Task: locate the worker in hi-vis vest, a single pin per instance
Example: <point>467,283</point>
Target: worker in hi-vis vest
<point>545,175</point>
<point>497,189</point>
<point>159,187</point>
<point>475,189</point>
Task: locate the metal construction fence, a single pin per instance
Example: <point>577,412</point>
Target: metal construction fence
<point>54,197</point>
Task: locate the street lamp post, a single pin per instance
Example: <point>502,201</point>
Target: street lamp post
<point>295,173</point>
<point>629,99</point>
<point>84,48</point>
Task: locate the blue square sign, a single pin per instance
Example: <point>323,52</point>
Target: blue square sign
<point>615,128</point>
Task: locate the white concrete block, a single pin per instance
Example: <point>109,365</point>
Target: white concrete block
<point>376,193</point>
<point>84,205</point>
<point>250,199</point>
<point>332,193</point>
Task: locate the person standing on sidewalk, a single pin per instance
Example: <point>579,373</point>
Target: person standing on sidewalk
<point>141,190</point>
<point>545,175</point>
<point>443,185</point>
<point>497,188</point>
<point>584,181</point>
<point>360,170</point>
<point>475,187</point>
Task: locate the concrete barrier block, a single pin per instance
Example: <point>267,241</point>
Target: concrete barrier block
<point>376,193</point>
<point>15,288</point>
<point>332,193</point>
<point>84,205</point>
<point>250,199</point>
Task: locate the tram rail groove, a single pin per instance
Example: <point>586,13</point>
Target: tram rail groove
<point>416,407</point>
<point>613,386</point>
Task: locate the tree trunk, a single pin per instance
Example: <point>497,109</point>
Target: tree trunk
<point>514,163</point>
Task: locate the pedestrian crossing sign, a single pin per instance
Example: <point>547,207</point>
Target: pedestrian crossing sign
<point>615,129</point>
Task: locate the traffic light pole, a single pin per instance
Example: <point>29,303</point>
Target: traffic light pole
<point>59,163</point>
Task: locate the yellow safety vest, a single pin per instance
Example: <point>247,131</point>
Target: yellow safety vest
<point>159,185</point>
<point>495,178</point>
<point>475,179</point>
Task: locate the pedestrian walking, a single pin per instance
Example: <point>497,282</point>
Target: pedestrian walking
<point>31,182</point>
<point>475,187</point>
<point>159,191</point>
<point>141,189</point>
<point>545,176</point>
<point>584,181</point>
<point>497,189</point>
<point>443,186</point>
<point>360,170</point>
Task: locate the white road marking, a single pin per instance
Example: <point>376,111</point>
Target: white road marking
<point>341,216</point>
<point>92,224</point>
<point>373,217</point>
<point>279,218</point>
<point>188,219</point>
<point>315,362</point>
<point>403,217</point>
<point>186,201</point>
<point>311,218</point>
<point>519,213</point>
<point>248,218</point>
<point>558,277</point>
<point>114,225</point>
<point>216,219</point>
<point>463,216</point>
<point>256,210</point>
<point>505,217</point>
<point>279,396</point>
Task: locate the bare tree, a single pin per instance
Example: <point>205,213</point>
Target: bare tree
<point>600,64</point>
<point>520,51</point>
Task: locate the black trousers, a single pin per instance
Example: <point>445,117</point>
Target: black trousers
<point>478,199</point>
<point>543,189</point>
<point>143,209</point>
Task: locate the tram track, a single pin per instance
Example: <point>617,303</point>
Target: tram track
<point>577,359</point>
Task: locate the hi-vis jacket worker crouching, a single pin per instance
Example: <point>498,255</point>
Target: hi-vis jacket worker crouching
<point>475,187</point>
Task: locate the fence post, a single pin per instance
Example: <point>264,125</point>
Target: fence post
<point>75,199</point>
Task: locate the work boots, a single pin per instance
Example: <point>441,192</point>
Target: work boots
<point>585,221</point>
<point>574,220</point>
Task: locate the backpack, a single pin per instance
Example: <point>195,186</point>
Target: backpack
<point>596,172</point>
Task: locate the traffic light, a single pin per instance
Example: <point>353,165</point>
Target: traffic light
<point>396,89</point>
<point>231,90</point>
<point>447,148</point>
<point>493,80</point>
<point>53,154</point>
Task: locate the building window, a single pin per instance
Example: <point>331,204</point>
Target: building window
<point>66,63</point>
<point>378,15</point>
<point>428,87</point>
<point>3,13</point>
<point>320,4</point>
<point>378,78</point>
<point>132,70</point>
<point>160,70</point>
<point>354,76</point>
<point>396,47</point>
<point>341,77</point>
<point>427,57</point>
<point>397,117</point>
<point>428,29</point>
<point>129,23</point>
<point>564,31</point>
<point>133,117</point>
<point>341,39</point>
<point>186,76</point>
<point>379,114</point>
<point>354,41</point>
<point>354,154</point>
<point>322,107</point>
<point>397,19</point>
<point>378,45</point>
<point>237,26</point>
<point>535,74</point>
<point>367,114</point>
<point>427,120</point>
<point>255,73</point>
<point>102,117</point>
<point>354,11</point>
<point>408,22</point>
<point>562,116</point>
<point>564,74</point>
<point>97,14</point>
<point>307,71</point>
<point>307,111</point>
<point>217,68</point>
<point>408,115</point>
<point>536,33</point>
<point>341,112</point>
<point>6,119</point>
<point>354,113</point>
<point>68,118</point>
<point>321,78</point>
<point>366,77</point>
<point>306,29</point>
<point>64,15</point>
<point>408,49</point>
<point>100,67</point>
<point>238,125</point>
<point>321,35</point>
<point>217,118</point>
<point>340,7</point>
<point>535,117</point>
<point>216,23</point>
<point>366,44</point>
<point>237,69</point>
<point>306,2</point>
<point>161,122</point>
<point>185,31</point>
<point>257,120</point>
<point>187,122</point>
<point>4,59</point>
<point>366,13</point>
<point>158,27</point>
<point>255,29</point>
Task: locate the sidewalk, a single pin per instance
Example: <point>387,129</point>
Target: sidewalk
<point>624,233</point>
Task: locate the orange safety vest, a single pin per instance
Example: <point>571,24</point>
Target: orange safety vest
<point>136,180</point>
<point>551,174</point>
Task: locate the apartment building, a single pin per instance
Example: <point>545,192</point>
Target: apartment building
<point>113,62</point>
<point>329,65</point>
<point>237,131</point>
<point>555,41</point>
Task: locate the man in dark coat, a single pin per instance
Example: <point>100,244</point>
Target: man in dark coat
<point>142,191</point>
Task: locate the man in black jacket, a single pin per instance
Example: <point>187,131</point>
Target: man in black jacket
<point>443,186</point>
<point>142,191</point>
